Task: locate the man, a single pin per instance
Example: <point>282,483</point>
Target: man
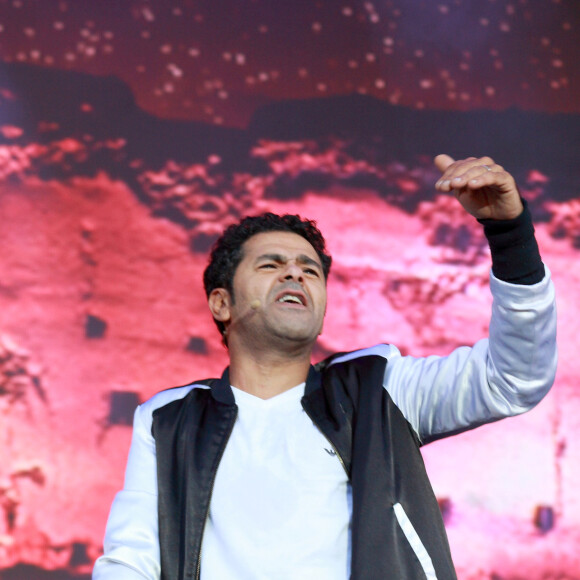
<point>281,470</point>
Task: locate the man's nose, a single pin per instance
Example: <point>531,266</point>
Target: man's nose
<point>292,272</point>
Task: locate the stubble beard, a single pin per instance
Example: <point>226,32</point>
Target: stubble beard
<point>288,336</point>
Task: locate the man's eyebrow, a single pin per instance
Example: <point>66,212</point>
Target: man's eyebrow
<point>271,257</point>
<point>279,258</point>
<point>307,260</point>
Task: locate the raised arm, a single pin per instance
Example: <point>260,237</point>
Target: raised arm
<point>510,372</point>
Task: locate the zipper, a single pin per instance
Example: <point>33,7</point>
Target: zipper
<point>198,567</point>
<point>331,443</point>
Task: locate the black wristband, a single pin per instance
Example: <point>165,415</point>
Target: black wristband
<point>515,255</point>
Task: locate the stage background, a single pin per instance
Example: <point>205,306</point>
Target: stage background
<point>132,132</point>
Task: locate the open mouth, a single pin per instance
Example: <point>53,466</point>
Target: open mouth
<point>289,298</point>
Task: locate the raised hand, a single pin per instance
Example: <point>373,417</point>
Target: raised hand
<point>484,188</point>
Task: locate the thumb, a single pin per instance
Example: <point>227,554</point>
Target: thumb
<point>442,162</point>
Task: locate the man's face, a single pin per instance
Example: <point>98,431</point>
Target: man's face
<point>279,290</point>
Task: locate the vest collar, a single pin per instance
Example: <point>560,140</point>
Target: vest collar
<point>222,391</point>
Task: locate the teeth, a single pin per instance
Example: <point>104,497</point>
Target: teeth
<point>290,298</point>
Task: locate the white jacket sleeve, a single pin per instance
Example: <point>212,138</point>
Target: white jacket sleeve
<point>505,375</point>
<point>131,546</point>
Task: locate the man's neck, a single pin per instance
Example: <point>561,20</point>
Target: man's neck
<point>268,375</point>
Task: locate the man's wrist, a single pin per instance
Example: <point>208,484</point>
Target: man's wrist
<point>514,250</point>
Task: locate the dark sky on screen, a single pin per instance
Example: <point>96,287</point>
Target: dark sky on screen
<point>217,60</point>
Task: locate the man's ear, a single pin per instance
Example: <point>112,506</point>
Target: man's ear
<point>219,302</point>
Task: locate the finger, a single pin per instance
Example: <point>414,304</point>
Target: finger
<point>461,172</point>
<point>451,169</point>
<point>479,172</point>
<point>499,178</point>
<point>500,181</point>
<point>443,161</point>
<point>458,168</point>
<point>478,176</point>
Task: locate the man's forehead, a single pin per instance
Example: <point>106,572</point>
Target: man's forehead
<point>286,244</point>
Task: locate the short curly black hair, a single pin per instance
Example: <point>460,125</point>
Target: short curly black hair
<point>227,252</point>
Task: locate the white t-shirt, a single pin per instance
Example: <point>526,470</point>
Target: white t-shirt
<point>280,506</point>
